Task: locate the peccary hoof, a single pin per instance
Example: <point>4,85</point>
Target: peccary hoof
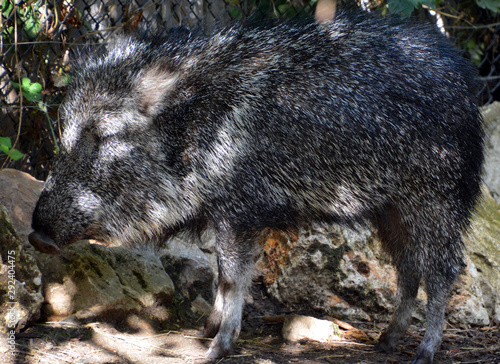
<point>422,361</point>
<point>216,353</point>
<point>385,345</point>
<point>423,357</point>
<point>43,243</point>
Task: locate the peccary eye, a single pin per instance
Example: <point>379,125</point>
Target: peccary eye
<point>98,137</point>
<point>93,134</point>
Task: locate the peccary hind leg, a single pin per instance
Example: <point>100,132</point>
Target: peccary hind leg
<point>394,235</point>
<point>236,259</point>
<point>438,285</point>
<point>433,252</point>
<point>407,291</point>
<point>437,298</point>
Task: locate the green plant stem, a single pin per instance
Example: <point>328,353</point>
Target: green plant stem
<point>43,108</point>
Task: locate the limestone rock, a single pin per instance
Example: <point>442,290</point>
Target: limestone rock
<point>338,270</point>
<point>18,193</point>
<point>344,273</point>
<point>491,114</point>
<point>91,280</point>
<point>190,269</point>
<point>467,303</point>
<point>20,280</point>
<point>483,245</point>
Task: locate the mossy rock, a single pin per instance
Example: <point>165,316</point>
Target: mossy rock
<point>20,280</point>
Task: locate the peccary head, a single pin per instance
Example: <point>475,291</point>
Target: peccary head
<point>118,175</point>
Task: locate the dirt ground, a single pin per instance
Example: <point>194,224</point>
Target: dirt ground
<point>97,342</point>
<point>102,343</point>
<point>135,340</point>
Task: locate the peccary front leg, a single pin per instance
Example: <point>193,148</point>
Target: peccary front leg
<point>224,322</point>
<point>236,258</point>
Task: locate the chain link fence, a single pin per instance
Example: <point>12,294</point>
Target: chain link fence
<point>37,37</point>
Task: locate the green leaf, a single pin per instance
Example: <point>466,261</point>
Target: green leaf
<point>32,27</point>
<point>31,91</point>
<point>14,154</point>
<point>35,88</point>
<point>8,32</point>
<point>26,82</point>
<point>5,142</point>
<point>6,147</point>
<point>235,13</point>
<point>493,5</point>
<point>6,8</point>
<point>406,7</point>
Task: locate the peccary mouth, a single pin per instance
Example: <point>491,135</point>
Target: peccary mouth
<point>43,243</point>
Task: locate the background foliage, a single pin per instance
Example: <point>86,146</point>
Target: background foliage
<point>38,35</point>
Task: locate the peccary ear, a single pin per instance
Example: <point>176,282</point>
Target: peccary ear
<point>154,87</point>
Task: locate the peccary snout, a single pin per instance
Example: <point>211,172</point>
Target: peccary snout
<point>43,243</point>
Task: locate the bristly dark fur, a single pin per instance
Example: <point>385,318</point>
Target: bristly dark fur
<point>358,119</point>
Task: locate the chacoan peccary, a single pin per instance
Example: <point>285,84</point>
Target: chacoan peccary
<point>258,126</point>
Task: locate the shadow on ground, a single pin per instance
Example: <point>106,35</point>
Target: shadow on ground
<point>99,342</point>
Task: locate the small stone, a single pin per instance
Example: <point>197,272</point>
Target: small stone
<point>297,328</point>
<point>201,306</point>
